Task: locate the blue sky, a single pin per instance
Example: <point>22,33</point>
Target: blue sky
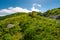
<point>28,5</point>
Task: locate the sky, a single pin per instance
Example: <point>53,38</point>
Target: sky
<point>11,6</point>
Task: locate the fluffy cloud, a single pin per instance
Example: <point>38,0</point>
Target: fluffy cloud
<point>34,8</point>
<point>35,4</point>
<point>18,9</point>
<point>13,10</point>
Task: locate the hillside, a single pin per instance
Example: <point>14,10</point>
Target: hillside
<point>12,15</point>
<point>53,13</point>
<point>29,26</point>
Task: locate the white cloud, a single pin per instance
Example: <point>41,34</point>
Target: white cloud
<point>11,10</point>
<point>34,8</point>
<point>35,4</point>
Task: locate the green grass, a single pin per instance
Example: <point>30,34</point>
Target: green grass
<point>30,27</point>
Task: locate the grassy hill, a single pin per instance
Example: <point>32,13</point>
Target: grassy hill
<point>55,11</point>
<point>29,26</point>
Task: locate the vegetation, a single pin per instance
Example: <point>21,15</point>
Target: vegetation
<point>55,11</point>
<point>30,26</point>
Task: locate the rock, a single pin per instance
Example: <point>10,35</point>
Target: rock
<point>10,25</point>
<point>58,17</point>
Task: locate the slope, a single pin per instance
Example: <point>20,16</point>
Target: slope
<point>29,27</point>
